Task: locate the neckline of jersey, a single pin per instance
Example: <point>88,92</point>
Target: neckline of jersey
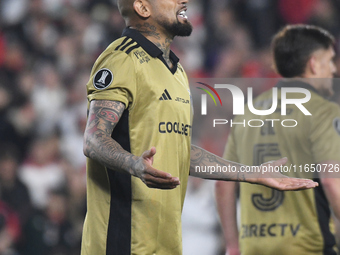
<point>151,48</point>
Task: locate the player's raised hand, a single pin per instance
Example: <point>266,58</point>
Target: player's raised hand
<point>152,177</point>
<point>278,181</point>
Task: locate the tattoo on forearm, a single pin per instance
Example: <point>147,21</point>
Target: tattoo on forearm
<point>202,158</point>
<point>196,156</point>
<point>240,176</point>
<point>103,118</point>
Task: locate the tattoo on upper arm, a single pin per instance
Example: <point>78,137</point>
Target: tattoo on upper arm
<point>102,119</point>
<point>104,116</point>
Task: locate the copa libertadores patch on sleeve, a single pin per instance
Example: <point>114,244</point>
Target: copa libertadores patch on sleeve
<point>336,124</point>
<point>102,79</point>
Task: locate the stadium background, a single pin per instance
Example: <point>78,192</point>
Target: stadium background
<point>47,48</point>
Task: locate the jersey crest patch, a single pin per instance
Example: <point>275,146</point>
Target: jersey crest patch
<point>336,124</point>
<point>102,79</point>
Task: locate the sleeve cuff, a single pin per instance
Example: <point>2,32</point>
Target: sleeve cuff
<point>119,98</point>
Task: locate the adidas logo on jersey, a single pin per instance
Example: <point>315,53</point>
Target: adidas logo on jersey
<point>165,96</point>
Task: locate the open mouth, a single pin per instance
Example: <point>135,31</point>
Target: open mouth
<point>182,14</point>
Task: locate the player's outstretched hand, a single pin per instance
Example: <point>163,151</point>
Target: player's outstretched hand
<point>279,181</point>
<point>152,177</point>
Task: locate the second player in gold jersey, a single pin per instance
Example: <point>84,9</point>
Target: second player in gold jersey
<point>285,223</point>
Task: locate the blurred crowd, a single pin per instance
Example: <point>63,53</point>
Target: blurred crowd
<point>47,49</point>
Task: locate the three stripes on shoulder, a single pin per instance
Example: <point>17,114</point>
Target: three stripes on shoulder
<point>127,45</point>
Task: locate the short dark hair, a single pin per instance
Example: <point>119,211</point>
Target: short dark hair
<point>293,46</point>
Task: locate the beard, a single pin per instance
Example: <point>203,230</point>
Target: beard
<point>177,28</point>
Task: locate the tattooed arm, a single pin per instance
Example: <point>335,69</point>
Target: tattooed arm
<point>98,145</point>
<point>201,160</point>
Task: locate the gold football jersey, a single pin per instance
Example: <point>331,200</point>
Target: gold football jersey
<point>285,223</point>
<point>125,216</point>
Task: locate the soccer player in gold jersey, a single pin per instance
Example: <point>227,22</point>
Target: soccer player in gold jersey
<point>139,100</point>
<point>285,223</point>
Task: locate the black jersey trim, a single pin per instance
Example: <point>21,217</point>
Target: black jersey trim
<point>127,45</point>
<point>324,215</point>
<point>119,228</point>
<point>151,48</point>
<point>120,45</point>
<point>132,48</point>
<point>147,45</point>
